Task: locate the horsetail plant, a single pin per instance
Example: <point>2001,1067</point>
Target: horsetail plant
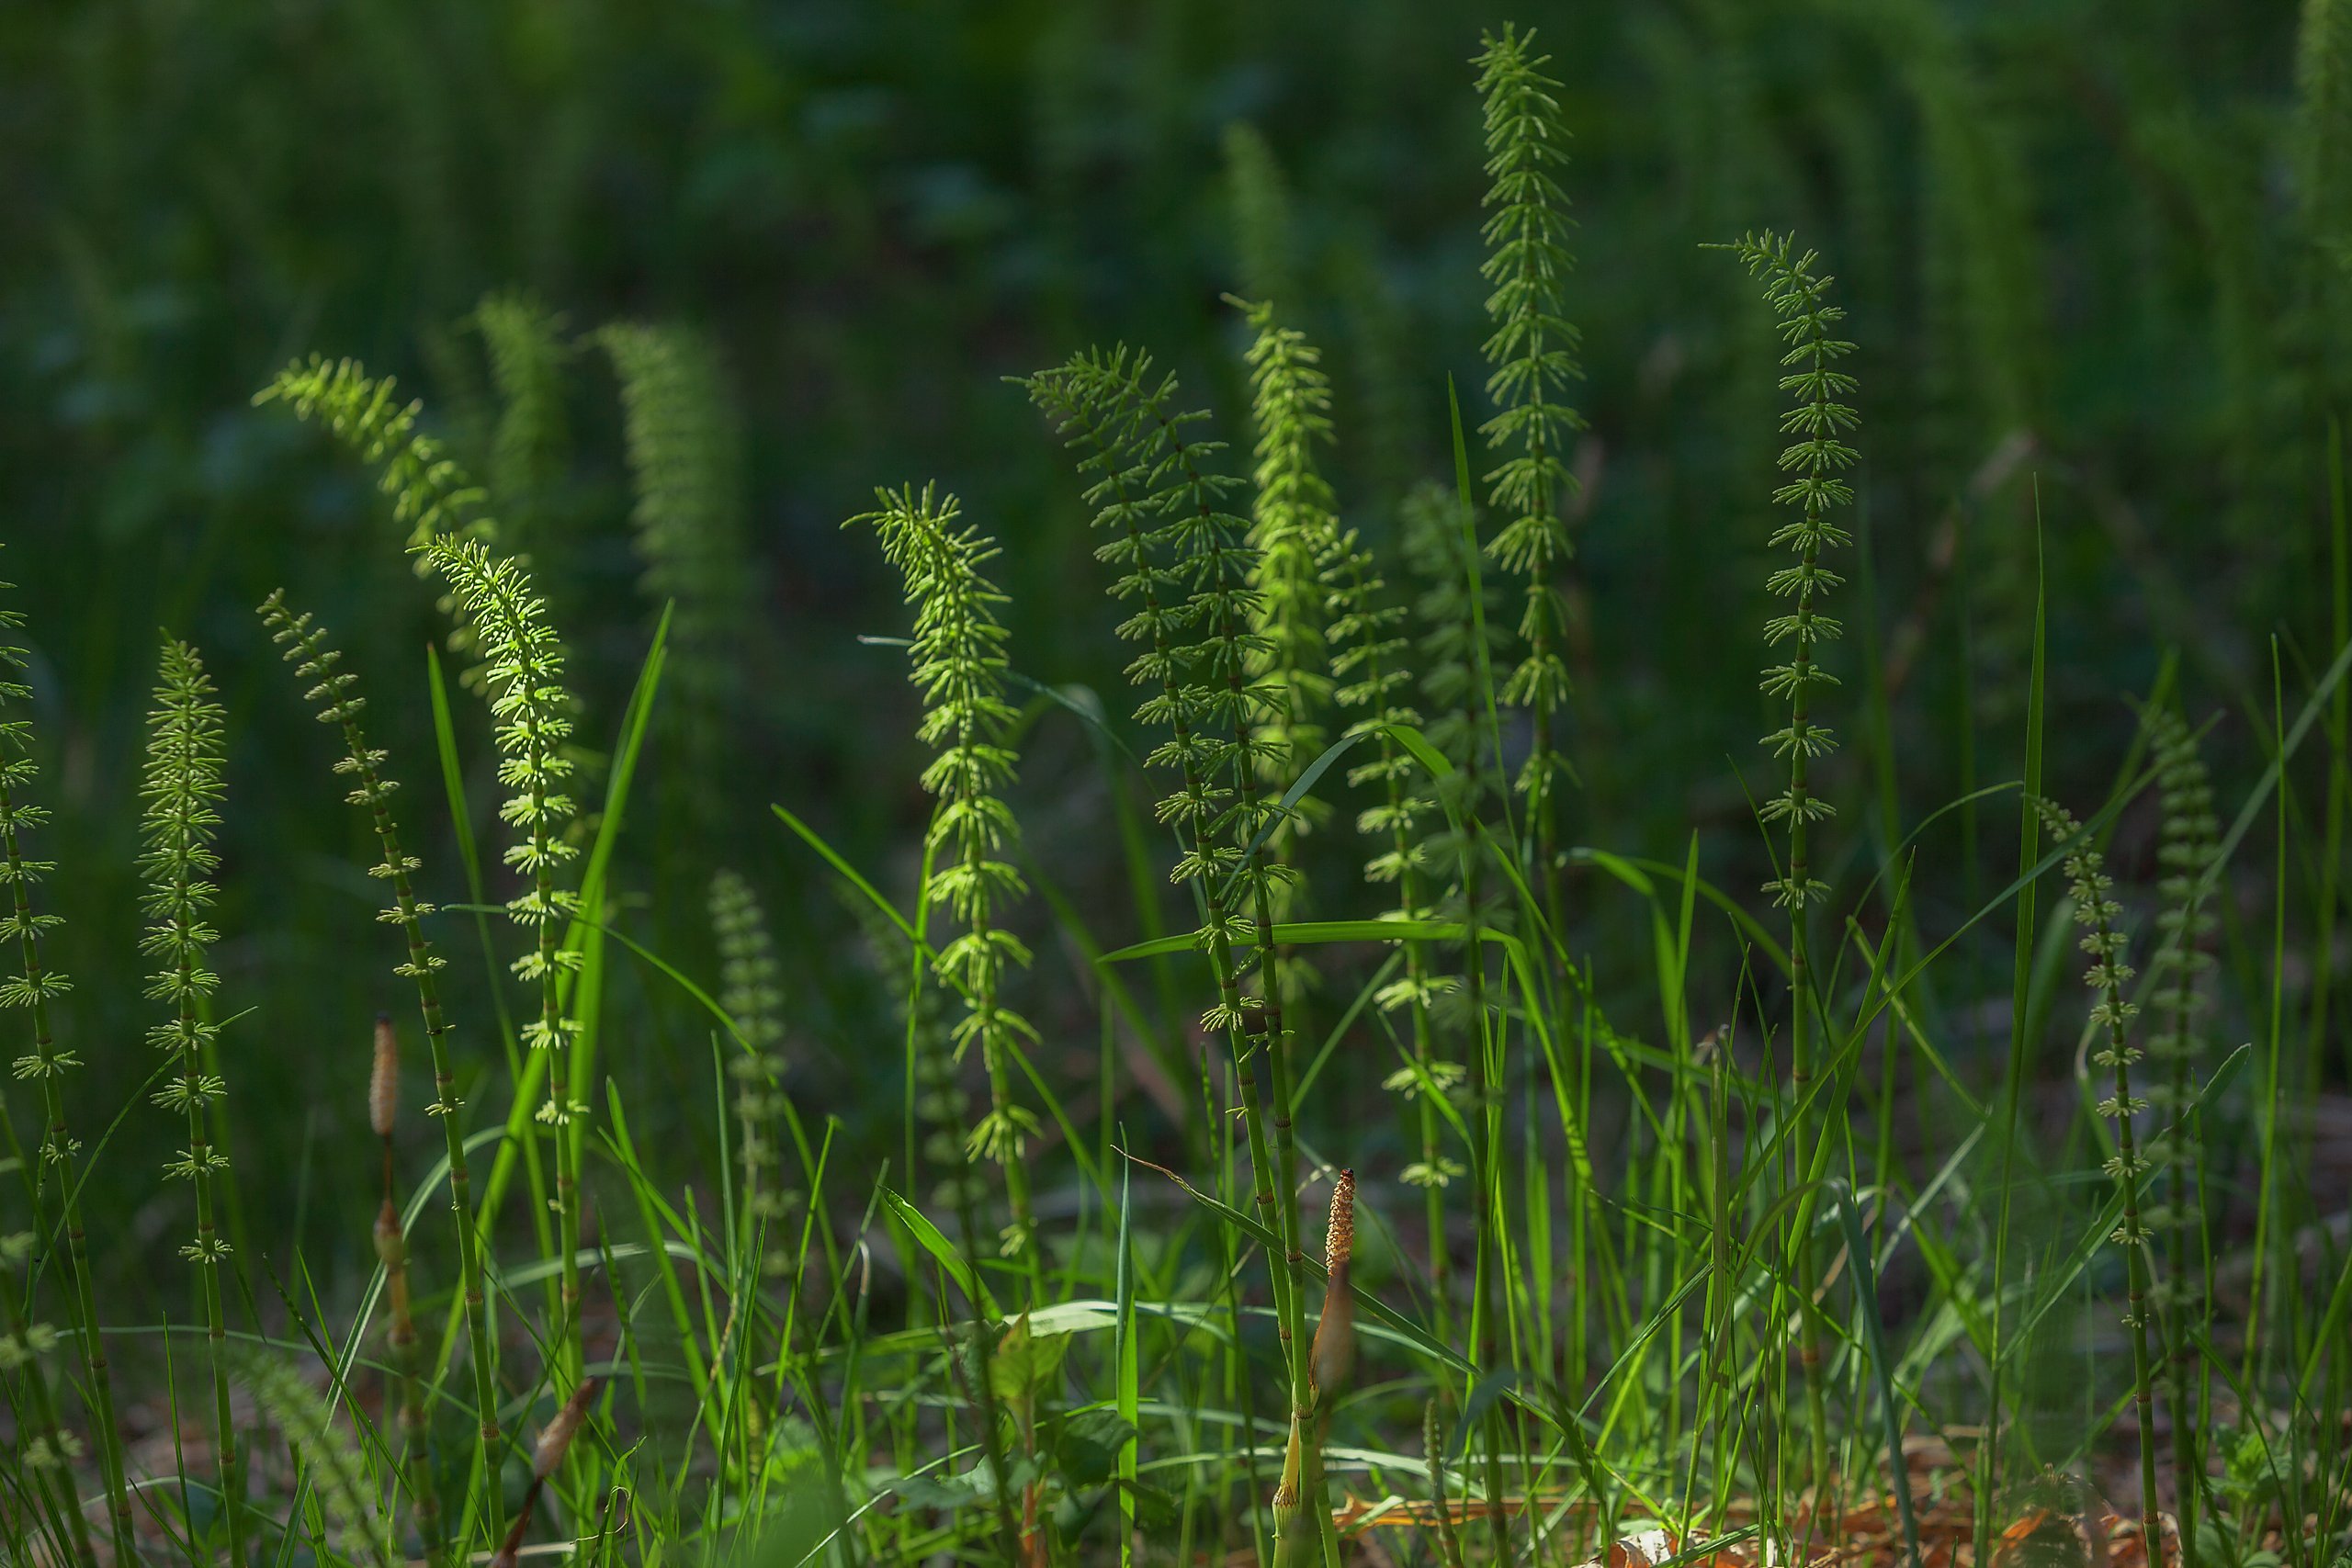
<point>523,682</point>
<point>1532,351</point>
<point>2177,971</point>
<point>1294,528</point>
<point>1814,461</point>
<point>306,648</point>
<point>1370,675</point>
<point>958,665</point>
<point>1168,533</point>
<point>32,989</point>
<point>2096,910</point>
<point>182,788</point>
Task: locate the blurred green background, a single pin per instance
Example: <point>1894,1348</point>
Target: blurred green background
<point>2091,252</point>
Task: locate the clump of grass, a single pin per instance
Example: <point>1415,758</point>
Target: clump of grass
<point>181,787</point>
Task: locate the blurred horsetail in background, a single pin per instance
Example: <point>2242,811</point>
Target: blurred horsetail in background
<point>1417,1083</point>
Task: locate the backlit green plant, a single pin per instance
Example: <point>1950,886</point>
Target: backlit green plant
<point>1532,350</point>
<point>958,665</point>
<point>428,489</point>
<point>1294,527</point>
<point>182,788</point>
<point>685,459</point>
<point>523,676</point>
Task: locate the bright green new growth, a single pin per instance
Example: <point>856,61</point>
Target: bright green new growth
<point>958,665</point>
<point>32,989</point>
<point>523,681</point>
<point>2096,911</point>
<point>1294,528</point>
<point>305,647</point>
<point>1532,350</point>
<point>182,788</point>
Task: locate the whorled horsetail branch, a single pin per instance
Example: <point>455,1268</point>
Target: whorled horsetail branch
<point>958,665</point>
<point>523,681</point>
<point>1532,350</point>
<point>1168,533</point>
<point>1294,528</point>
<point>181,787</point>
<point>1814,461</point>
<point>2096,911</point>
<point>1371,677</point>
<point>332,689</point>
<point>32,989</point>
<point>1799,297</point>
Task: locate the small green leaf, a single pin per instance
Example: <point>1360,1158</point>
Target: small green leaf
<point>1025,1363</point>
